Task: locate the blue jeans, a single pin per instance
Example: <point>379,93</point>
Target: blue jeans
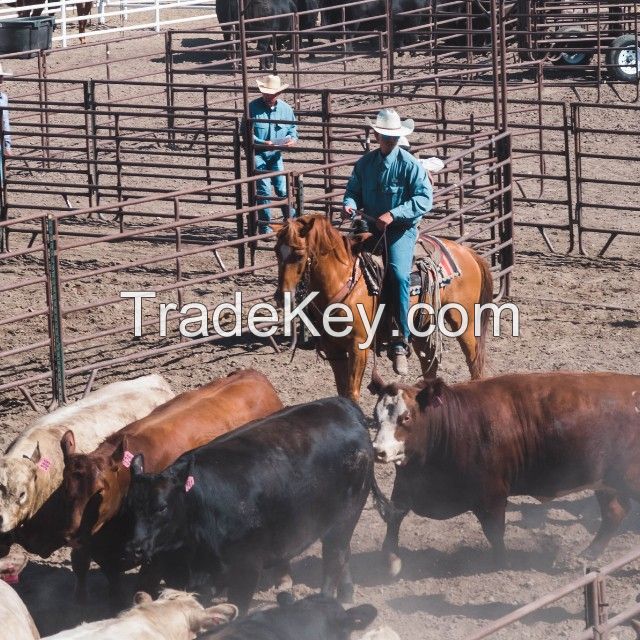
<point>400,246</point>
<point>266,163</point>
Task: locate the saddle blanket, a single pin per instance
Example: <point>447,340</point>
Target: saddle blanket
<point>431,258</point>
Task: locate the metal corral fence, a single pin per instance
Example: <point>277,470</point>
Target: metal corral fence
<point>603,157</point>
<point>64,289</point>
<point>129,15</point>
<point>139,138</point>
<point>596,604</point>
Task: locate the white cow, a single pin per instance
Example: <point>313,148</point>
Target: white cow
<point>175,615</point>
<point>15,621</point>
<point>31,468</point>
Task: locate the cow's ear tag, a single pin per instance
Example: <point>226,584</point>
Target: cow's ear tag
<point>188,485</point>
<point>44,464</point>
<point>127,457</point>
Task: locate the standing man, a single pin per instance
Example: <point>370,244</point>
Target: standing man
<point>5,152</point>
<point>392,188</point>
<point>274,127</point>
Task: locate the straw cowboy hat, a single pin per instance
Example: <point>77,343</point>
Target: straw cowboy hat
<point>4,73</point>
<point>271,85</point>
<point>388,123</point>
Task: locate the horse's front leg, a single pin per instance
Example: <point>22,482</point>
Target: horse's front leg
<point>339,362</point>
<point>357,365</point>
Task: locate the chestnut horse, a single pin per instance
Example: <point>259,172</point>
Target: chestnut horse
<point>309,246</point>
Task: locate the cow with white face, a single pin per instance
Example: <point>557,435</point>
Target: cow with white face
<point>470,446</point>
<point>31,468</point>
<point>392,415</point>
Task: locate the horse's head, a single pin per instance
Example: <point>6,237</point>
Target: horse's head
<point>292,251</point>
<point>311,242</point>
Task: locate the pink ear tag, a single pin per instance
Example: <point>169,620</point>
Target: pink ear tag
<point>127,457</point>
<point>189,484</point>
<point>44,464</point>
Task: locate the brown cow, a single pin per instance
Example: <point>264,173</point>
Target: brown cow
<point>467,447</point>
<point>94,484</point>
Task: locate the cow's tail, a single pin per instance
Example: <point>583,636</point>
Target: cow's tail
<point>486,296</point>
<point>383,505</point>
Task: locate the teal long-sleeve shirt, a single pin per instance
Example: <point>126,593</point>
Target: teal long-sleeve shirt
<point>265,125</point>
<point>396,183</point>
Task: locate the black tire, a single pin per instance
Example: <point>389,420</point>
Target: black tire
<point>623,58</point>
<point>566,55</point>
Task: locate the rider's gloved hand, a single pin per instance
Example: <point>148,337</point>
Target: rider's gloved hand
<point>348,212</point>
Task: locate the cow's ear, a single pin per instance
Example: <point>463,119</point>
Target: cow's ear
<point>142,597</point>
<point>68,445</point>
<point>431,394</point>
<point>216,615</point>
<point>118,454</point>
<point>36,455</point>
<point>358,618</point>
<point>181,475</point>
<point>377,384</point>
<point>137,465</point>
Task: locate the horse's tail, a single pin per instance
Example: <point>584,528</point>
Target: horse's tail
<point>486,296</point>
<point>383,505</point>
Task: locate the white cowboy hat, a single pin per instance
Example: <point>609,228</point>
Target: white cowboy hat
<point>388,123</point>
<point>271,85</point>
<point>5,73</point>
<point>433,164</point>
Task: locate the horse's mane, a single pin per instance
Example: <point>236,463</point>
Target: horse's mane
<point>316,232</point>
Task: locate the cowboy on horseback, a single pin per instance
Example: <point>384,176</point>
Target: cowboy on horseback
<point>391,186</point>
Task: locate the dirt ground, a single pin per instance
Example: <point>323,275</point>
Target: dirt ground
<point>576,313</point>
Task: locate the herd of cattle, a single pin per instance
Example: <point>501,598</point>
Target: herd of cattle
<point>276,16</point>
<point>207,490</point>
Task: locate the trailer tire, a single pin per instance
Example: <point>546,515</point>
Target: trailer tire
<point>623,58</point>
<point>568,57</point>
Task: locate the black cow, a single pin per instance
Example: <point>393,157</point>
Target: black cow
<point>366,14</point>
<point>308,20</point>
<point>314,618</point>
<point>274,21</point>
<point>257,497</point>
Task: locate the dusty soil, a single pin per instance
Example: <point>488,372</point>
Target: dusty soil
<point>577,312</point>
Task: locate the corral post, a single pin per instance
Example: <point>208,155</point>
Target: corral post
<point>4,212</point>
<point>207,149</point>
<point>237,171</point>
<point>118,140</point>
<point>43,111</point>
<point>94,138</point>
<point>566,120</point>
<point>390,40</point>
<point>178,234</point>
<point>299,183</point>
<point>252,218</point>
<point>326,143</point>
<point>596,607</point>
<point>503,148</point>
<point>168,59</point>
<point>88,101</point>
<point>56,345</point>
